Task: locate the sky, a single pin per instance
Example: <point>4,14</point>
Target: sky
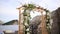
<point>9,12</point>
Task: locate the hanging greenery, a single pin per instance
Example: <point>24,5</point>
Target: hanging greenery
<point>26,14</point>
<point>29,6</point>
<point>48,20</point>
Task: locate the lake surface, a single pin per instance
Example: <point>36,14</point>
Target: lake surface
<point>8,27</point>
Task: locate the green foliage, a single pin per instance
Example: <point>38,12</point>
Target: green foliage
<point>26,14</point>
<point>29,6</point>
<point>48,20</point>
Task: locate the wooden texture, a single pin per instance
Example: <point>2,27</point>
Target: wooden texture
<point>43,24</point>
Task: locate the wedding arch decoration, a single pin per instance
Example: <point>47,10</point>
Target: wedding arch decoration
<point>24,18</point>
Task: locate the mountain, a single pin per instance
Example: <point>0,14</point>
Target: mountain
<point>12,22</point>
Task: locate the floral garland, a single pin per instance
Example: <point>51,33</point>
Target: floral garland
<point>48,18</point>
<point>26,14</point>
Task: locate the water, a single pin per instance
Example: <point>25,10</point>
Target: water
<point>8,27</point>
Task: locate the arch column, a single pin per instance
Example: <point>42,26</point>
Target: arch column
<point>43,23</point>
<point>20,23</point>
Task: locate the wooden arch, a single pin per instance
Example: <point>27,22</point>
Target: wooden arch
<point>43,22</point>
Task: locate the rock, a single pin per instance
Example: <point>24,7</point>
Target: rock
<point>56,22</point>
<point>34,23</point>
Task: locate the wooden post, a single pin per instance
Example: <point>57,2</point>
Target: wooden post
<point>43,24</point>
<point>20,24</point>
